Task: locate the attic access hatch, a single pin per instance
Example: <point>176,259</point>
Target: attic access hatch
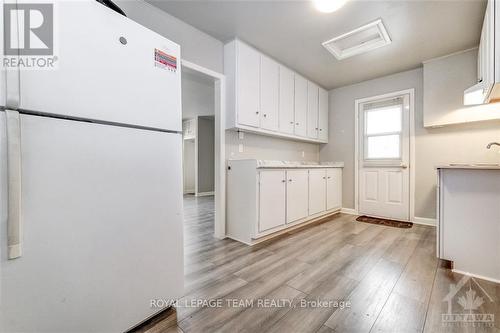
<point>360,40</point>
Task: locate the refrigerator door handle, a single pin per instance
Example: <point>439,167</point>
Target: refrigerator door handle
<point>14,219</point>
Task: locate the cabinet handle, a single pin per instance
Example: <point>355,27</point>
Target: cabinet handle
<point>289,180</point>
<point>329,177</point>
<point>265,115</point>
<point>296,123</point>
<point>283,181</point>
<point>324,177</point>
<point>316,128</point>
<point>256,112</point>
<point>291,122</point>
<point>320,129</point>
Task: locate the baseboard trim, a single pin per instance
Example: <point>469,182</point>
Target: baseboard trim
<point>205,194</point>
<point>476,276</point>
<point>349,211</point>
<point>424,221</point>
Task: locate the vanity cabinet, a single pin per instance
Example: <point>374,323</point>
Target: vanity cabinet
<point>265,199</point>
<point>268,98</point>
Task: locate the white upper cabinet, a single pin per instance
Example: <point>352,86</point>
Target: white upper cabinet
<point>286,101</point>
<point>267,98</point>
<point>248,87</point>
<point>312,110</point>
<point>300,106</point>
<point>323,115</point>
<point>269,93</point>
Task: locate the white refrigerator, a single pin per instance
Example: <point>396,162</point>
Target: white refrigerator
<point>91,178</point>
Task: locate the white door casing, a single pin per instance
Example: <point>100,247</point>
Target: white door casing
<point>383,157</point>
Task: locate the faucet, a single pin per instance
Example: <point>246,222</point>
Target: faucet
<point>492,144</point>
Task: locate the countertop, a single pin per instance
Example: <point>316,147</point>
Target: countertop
<point>267,164</point>
<point>471,166</point>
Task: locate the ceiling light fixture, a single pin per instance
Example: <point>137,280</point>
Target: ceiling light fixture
<point>328,6</point>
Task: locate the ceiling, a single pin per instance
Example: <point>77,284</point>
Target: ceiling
<point>292,32</point>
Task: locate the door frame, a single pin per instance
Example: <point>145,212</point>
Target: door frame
<point>411,115</point>
<point>220,145</point>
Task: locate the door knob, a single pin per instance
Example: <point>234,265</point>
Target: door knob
<point>404,166</point>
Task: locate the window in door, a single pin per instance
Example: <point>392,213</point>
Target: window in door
<point>383,133</point>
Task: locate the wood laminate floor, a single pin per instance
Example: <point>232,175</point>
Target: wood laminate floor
<point>390,277</point>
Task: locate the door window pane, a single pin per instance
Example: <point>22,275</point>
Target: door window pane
<point>384,146</point>
<point>384,120</point>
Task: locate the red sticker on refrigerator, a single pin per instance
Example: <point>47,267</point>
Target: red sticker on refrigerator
<point>165,61</point>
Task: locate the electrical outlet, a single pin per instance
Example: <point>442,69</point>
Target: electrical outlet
<point>240,147</point>
<point>303,154</point>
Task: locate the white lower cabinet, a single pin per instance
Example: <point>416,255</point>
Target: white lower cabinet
<point>265,201</point>
<point>333,188</point>
<point>296,195</point>
<point>317,191</point>
<point>272,186</point>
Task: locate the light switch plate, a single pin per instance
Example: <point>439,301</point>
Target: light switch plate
<point>241,135</point>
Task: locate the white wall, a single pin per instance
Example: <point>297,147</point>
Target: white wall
<point>269,148</point>
<point>457,143</point>
<point>206,51</point>
<point>198,96</point>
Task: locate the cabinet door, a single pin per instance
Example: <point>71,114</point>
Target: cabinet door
<point>248,94</point>
<point>333,188</point>
<point>269,93</point>
<point>296,195</point>
<point>312,110</point>
<point>300,106</point>
<point>271,199</point>
<point>317,191</point>
<point>323,115</point>
<point>286,101</point>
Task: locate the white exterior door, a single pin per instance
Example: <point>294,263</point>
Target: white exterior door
<point>297,197</point>
<point>317,191</point>
<point>272,185</point>
<point>286,100</point>
<point>384,179</point>
<point>248,85</point>
<point>269,93</point>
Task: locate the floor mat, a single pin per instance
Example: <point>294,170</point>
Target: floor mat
<point>389,223</point>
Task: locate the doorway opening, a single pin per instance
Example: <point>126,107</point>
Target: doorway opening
<point>203,127</point>
<point>384,156</point>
